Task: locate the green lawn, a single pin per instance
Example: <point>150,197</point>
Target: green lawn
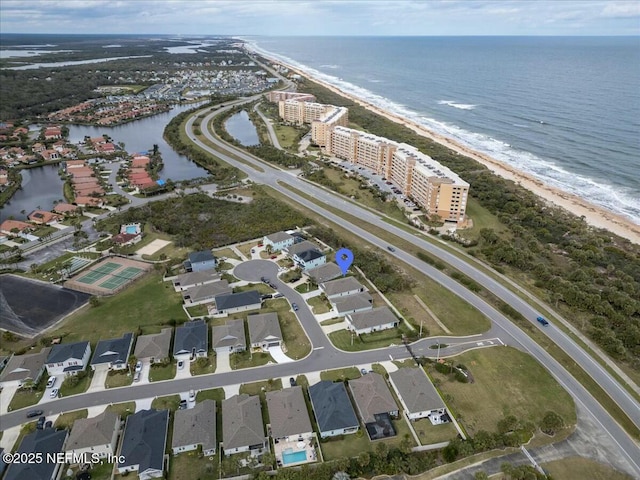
<point>295,340</point>
<point>226,253</point>
<point>101,471</point>
<point>343,339</point>
<point>429,434</point>
<point>168,251</point>
<point>66,419</point>
<point>506,382</point>
<point>256,388</point>
<point>203,366</point>
<point>482,218</point>
<point>246,359</point>
<point>319,304</point>
<point>193,465</point>
<point>70,387</point>
<point>198,311</point>
<point>158,372</point>
<point>287,136</point>
<point>245,248</point>
<point>170,402</point>
<point>260,287</point>
<point>579,467</point>
<point>25,398</point>
<point>120,378</point>
<point>44,231</point>
<point>147,302</point>
<point>346,446</point>
<point>122,409</point>
<point>348,373</point>
<point>216,394</point>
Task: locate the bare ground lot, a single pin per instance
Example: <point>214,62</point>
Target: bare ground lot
<point>27,307</point>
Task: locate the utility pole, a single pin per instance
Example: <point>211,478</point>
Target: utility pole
<point>438,356</point>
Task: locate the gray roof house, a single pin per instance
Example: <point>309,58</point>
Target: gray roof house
<point>375,404</point>
<point>278,240</point>
<point>416,393</point>
<point>154,346</point>
<point>193,279</point>
<point>376,319</point>
<point>94,436</point>
<point>199,261</point>
<point>342,287</point>
<point>46,442</point>
<point>311,258</point>
<point>264,330</point>
<point>192,340</point>
<point>302,246</point>
<point>113,353</point>
<point>332,408</point>
<point>205,293</point>
<point>22,368</point>
<point>229,337</point>
<point>144,442</point>
<point>238,302</point>
<point>359,302</point>
<point>324,273</point>
<point>288,414</point>
<point>195,426</point>
<point>68,358</point>
<point>242,428</point>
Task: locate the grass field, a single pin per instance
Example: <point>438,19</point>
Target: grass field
<point>296,341</point>
<point>68,388</point>
<point>507,382</point>
<point>202,367</point>
<point>25,398</point>
<point>578,467</point>
<point>158,373</point>
<point>246,359</point>
<point>123,409</point>
<point>342,339</point>
<point>216,394</point>
<point>340,374</point>
<point>226,253</point>
<point>482,218</point>
<point>170,402</point>
<point>192,465</point>
<point>120,378</point>
<point>287,136</point>
<point>148,302</point>
<point>319,304</point>
<point>345,446</point>
<point>428,433</point>
<point>66,419</point>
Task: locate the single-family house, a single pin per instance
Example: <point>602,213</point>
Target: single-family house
<point>47,443</point>
<point>311,258</point>
<point>332,408</point>
<point>65,208</point>
<point>359,302</point>
<point>264,330</point>
<point>112,354</point>
<point>13,227</point>
<point>375,404</point>
<point>195,279</point>
<point>124,239</point>
<point>238,302</point>
<point>86,201</point>
<point>299,247</point>
<point>242,428</point>
<point>154,347</point>
<point>342,287</point>
<point>374,320</point>
<point>324,273</point>
<point>144,443</point>
<point>195,427</point>
<point>68,358</point>
<point>74,164</point>
<point>191,341</point>
<point>206,293</point>
<point>417,394</point>
<point>278,241</point>
<point>24,369</point>
<point>93,437</point>
<point>288,416</point>
<point>198,261</point>
<point>229,337</point>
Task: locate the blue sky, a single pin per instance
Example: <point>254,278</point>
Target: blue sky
<point>323,17</point>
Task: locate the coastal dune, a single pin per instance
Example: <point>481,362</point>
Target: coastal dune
<point>595,216</point>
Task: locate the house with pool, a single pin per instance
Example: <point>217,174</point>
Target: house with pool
<point>290,428</point>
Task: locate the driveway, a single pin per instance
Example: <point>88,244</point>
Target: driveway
<point>5,397</point>
<point>99,377</point>
<point>185,372</point>
<point>278,355</point>
<point>223,363</point>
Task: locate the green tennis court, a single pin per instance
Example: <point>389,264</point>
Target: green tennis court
<point>120,278</point>
<point>102,271</point>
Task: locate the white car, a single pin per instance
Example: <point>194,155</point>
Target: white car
<point>54,393</point>
<point>192,396</point>
<point>51,382</point>
<point>139,366</point>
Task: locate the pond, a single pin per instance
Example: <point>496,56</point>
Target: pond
<point>240,127</point>
<point>41,186</point>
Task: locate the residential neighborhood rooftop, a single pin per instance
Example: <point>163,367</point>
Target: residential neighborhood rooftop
<point>288,412</point>
<point>352,302</point>
<point>264,327</point>
<point>144,439</point>
<point>372,396</point>
<point>196,425</point>
<point>341,285</point>
<point>193,278</point>
<point>46,442</point>
<point>332,406</point>
<point>114,350</point>
<point>373,318</point>
<point>231,334</point>
<point>416,390</point>
<point>279,237</point>
<point>235,300</point>
<point>21,367</point>
<point>89,432</point>
<point>303,246</point>
<point>242,421</point>
<point>325,272</point>
<point>208,290</point>
<point>155,345</point>
<point>65,351</point>
<point>189,336</point>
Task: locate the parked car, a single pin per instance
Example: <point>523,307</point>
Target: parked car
<point>48,424</point>
<point>263,279</point>
<point>192,395</point>
<point>363,371</point>
<point>180,364</point>
<point>543,321</point>
<point>54,393</point>
<point>278,295</point>
<point>34,413</point>
<point>40,424</point>
<point>391,249</point>
<point>183,405</point>
<point>295,307</point>
<point>292,382</point>
<point>273,257</point>
<point>51,382</point>
<point>266,296</point>
<point>139,366</point>
<point>136,377</point>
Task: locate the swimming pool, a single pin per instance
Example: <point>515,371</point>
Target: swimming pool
<point>294,457</point>
<point>132,229</point>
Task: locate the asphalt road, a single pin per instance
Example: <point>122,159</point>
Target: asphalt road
<point>273,176</point>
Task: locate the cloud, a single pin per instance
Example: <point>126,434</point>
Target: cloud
<point>621,9</point>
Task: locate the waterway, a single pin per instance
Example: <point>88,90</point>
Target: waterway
<point>42,185</point>
<point>240,127</point>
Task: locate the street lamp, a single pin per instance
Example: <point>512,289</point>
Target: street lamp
<point>438,356</point>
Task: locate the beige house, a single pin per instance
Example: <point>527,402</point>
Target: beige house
<point>195,427</point>
<point>154,347</point>
<point>94,437</point>
<point>242,428</point>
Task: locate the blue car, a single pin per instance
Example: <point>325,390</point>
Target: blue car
<point>295,307</point>
<point>543,321</point>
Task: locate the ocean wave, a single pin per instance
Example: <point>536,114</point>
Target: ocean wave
<point>618,200</point>
<point>460,106</point>
<point>330,66</point>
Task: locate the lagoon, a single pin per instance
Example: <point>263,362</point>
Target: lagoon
<point>240,127</point>
<point>41,186</point>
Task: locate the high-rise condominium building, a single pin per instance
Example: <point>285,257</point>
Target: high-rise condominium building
<point>431,185</point>
<point>321,117</point>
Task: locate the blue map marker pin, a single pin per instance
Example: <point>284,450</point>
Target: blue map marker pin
<point>344,259</point>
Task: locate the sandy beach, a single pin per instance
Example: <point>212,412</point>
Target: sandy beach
<point>594,215</point>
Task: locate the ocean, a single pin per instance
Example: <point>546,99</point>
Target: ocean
<point>564,109</point>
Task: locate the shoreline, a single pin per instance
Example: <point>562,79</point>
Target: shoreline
<point>594,215</point>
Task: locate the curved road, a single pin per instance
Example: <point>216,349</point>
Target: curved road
<point>273,177</point>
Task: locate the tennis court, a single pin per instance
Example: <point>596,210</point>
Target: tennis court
<point>102,271</point>
<point>119,278</point>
